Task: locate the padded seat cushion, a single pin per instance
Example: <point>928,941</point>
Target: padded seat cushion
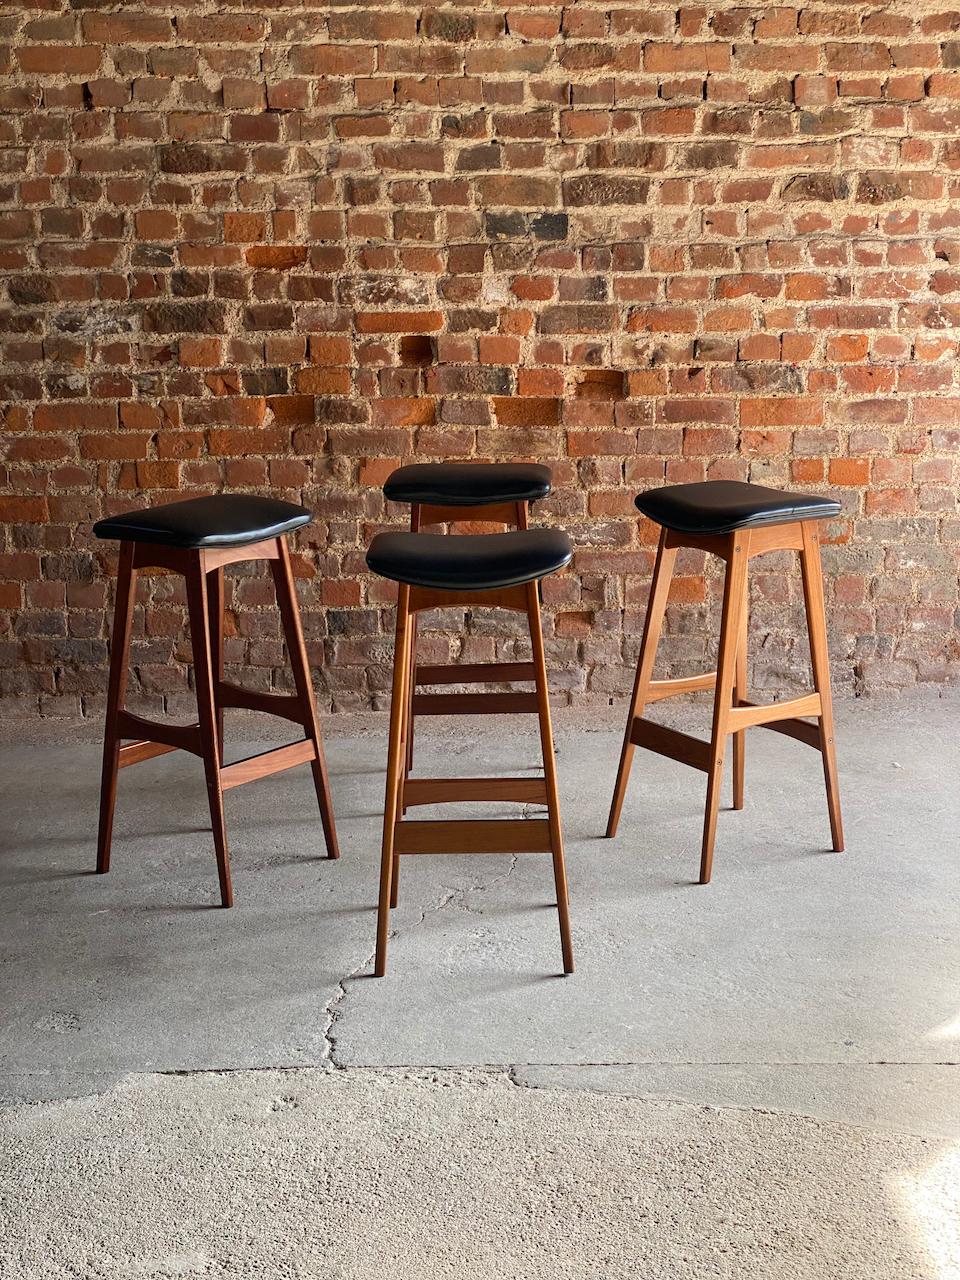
<point>225,520</point>
<point>469,562</point>
<point>468,484</point>
<point>720,506</point>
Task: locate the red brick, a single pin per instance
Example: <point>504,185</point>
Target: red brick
<point>15,510</point>
<point>800,411</point>
<point>890,502</point>
<point>333,60</point>
<point>847,346</point>
<point>686,57</point>
<point>276,257</point>
<point>586,444</point>
<point>75,416</point>
<point>71,60</point>
<point>399,321</point>
<point>224,28</point>
<point>849,471</point>
<point>404,412</point>
<point>242,228</point>
<point>526,411</point>
<point>323,381</point>
<point>131,28</point>
<point>697,409</point>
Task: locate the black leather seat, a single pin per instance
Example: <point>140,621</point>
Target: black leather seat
<point>720,506</point>
<point>468,484</point>
<point>225,520</point>
<point>469,562</point>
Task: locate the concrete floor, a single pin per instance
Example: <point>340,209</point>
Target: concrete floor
<point>756,1078</point>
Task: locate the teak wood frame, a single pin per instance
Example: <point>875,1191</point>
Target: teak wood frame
<point>733,714</point>
<point>519,835</point>
<point>421,514</point>
<point>203,572</point>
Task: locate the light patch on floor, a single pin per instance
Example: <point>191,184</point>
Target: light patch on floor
<point>389,1175</point>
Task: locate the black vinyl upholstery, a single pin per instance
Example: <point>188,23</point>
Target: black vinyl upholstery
<point>720,506</point>
<point>224,520</point>
<point>469,562</point>
<point>468,484</point>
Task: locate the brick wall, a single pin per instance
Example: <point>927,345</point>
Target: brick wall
<point>284,246</point>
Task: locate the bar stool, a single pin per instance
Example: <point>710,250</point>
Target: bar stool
<point>481,492</point>
<point>197,538</point>
<point>734,521</point>
<point>496,570</point>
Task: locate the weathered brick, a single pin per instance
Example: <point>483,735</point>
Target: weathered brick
<point>224,28</point>
<point>600,189</point>
<point>184,317</point>
<point>800,411</point>
<point>130,28</point>
<point>187,159</point>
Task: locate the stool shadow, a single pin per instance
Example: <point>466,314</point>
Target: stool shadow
<point>178,908</point>
<point>50,876</point>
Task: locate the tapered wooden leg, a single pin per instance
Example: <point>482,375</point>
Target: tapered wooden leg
<point>412,679</point>
<point>293,633</point>
<point>198,608</point>
<point>820,660</point>
<point>215,616</point>
<point>406,728</point>
<point>656,607</point>
<point>395,767</point>
<point>410,687</point>
<point>740,692</point>
<point>116,693</point>
<point>550,774</point>
<point>731,630</point>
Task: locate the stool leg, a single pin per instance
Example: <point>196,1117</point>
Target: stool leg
<point>395,766</point>
<point>411,689</point>
<point>293,634</point>
<point>550,773</point>
<point>198,608</point>
<point>215,618</point>
<point>406,729</point>
<point>116,693</point>
<point>412,682</point>
<point>731,632</point>
<point>820,660</point>
<point>739,693</point>
<point>656,607</point>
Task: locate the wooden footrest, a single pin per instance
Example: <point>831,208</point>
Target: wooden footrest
<point>799,730</point>
<point>513,835</point>
<point>668,742</point>
<point>747,714</point>
<point>474,704</point>
<point>658,689</point>
<point>267,762</point>
<point>452,790</point>
<point>175,737</point>
<point>134,752</point>
<point>285,705</point>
